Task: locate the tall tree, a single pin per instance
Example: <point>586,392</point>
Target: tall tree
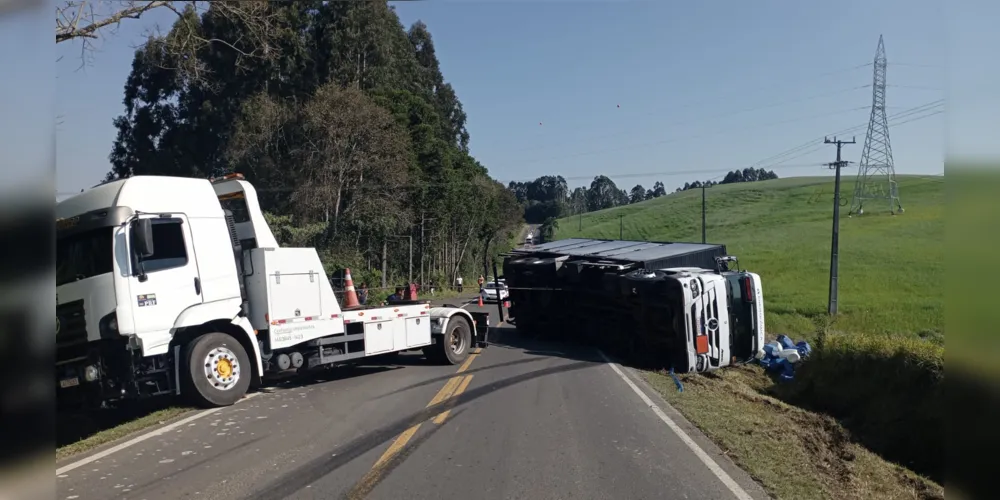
<point>433,85</point>
<point>637,194</point>
<point>353,127</point>
<point>578,200</point>
<point>603,193</point>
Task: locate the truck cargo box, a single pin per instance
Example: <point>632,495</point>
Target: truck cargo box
<point>604,292</point>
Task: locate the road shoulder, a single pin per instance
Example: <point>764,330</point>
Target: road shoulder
<point>741,477</point>
<point>113,436</point>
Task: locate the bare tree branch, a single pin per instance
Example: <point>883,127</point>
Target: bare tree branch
<point>71,13</point>
<point>86,21</point>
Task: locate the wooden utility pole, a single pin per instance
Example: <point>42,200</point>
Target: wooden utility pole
<point>421,248</point>
<point>835,237</point>
<point>704,209</point>
<point>385,261</point>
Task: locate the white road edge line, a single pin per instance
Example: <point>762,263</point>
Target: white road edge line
<point>733,486</point>
<point>138,439</point>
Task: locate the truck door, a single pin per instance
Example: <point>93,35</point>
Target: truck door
<point>172,282</point>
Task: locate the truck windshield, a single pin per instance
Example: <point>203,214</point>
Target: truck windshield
<point>81,256</point>
<point>741,318</point>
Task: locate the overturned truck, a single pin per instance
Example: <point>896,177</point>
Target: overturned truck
<point>684,306</point>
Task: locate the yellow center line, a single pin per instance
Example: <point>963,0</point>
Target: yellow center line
<point>454,397</point>
<point>468,361</point>
<point>396,446</point>
<point>453,387</point>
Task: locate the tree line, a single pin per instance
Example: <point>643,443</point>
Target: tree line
<point>339,116</point>
<point>746,175</point>
<point>548,197</point>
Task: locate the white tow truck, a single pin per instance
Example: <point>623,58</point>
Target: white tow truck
<point>169,285</point>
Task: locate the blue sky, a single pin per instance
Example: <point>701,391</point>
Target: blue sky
<point>685,90</point>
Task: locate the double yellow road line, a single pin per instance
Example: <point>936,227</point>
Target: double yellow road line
<point>445,399</point>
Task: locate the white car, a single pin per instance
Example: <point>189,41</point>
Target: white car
<point>490,292</point>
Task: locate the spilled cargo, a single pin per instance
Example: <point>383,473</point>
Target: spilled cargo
<point>685,306</point>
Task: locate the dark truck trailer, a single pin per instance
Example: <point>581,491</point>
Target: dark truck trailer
<point>610,293</point>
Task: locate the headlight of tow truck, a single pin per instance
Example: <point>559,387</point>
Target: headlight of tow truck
<point>91,373</point>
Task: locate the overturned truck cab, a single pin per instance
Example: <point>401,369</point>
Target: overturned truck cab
<point>667,305</point>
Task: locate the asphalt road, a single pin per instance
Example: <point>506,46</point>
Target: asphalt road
<point>521,419</point>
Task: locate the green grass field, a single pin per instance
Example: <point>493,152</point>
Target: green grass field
<point>891,267</point>
<point>864,411</point>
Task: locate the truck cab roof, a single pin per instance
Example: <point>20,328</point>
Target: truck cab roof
<point>145,194</point>
<point>158,194</point>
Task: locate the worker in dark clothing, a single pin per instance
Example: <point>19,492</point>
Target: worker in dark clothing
<point>395,297</point>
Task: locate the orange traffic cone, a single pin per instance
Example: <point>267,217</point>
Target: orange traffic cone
<point>350,296</point>
<point>506,304</point>
<point>480,300</point>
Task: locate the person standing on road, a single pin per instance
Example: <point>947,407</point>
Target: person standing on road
<point>458,284</point>
<point>481,281</point>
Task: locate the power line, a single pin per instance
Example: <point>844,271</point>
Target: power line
<point>914,87</point>
<point>665,141</point>
<point>715,100</point>
<point>720,115</point>
<point>852,130</point>
<point>699,136</point>
<point>923,108</point>
<point>932,66</point>
<point>819,141</point>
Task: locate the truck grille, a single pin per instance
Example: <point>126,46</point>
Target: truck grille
<point>72,327</point>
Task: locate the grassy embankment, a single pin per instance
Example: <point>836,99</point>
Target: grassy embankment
<point>871,396</point>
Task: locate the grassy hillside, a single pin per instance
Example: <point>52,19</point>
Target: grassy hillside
<point>865,409</point>
<point>891,268</point>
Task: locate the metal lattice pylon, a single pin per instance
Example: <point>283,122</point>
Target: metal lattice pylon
<point>876,172</point>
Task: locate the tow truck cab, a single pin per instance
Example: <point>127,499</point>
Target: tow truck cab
<point>116,307</point>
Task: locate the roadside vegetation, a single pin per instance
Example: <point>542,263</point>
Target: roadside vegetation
<point>80,433</point>
<point>863,416</point>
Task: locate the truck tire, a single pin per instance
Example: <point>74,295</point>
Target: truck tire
<point>457,341</point>
<point>215,370</point>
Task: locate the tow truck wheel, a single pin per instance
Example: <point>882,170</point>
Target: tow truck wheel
<point>457,340</point>
<point>216,370</point>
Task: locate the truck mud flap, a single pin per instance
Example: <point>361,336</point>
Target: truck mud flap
<point>482,320</point>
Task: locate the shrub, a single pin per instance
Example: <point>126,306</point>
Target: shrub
<point>888,390</point>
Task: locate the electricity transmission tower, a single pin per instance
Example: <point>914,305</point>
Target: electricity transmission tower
<point>876,172</point>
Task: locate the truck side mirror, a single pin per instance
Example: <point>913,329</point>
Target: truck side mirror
<point>142,237</point>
